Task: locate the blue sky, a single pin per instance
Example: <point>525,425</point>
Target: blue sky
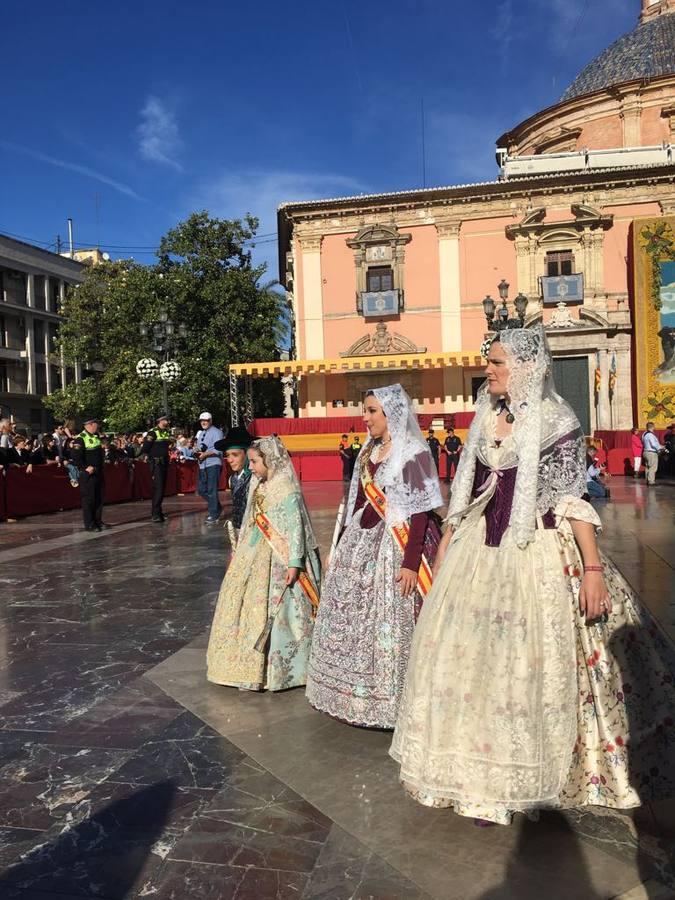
<point>127,116</point>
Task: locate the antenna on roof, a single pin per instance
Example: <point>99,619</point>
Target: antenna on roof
<point>424,150</point>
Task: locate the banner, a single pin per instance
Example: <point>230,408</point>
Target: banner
<point>654,314</point>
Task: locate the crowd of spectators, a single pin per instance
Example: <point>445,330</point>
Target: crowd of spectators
<point>55,449</point>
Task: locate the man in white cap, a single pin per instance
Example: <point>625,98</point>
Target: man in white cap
<point>210,462</point>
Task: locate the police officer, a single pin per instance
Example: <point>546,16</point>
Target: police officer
<point>156,446</point>
<point>87,455</point>
<point>434,446</point>
<point>354,449</point>
<point>452,447</point>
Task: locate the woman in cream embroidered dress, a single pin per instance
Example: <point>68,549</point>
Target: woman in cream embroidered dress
<point>370,596</point>
<point>535,678</point>
<point>260,577</point>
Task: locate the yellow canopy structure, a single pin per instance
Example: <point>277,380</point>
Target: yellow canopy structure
<point>338,365</point>
<point>357,364</point>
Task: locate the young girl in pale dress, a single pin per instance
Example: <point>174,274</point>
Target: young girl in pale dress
<point>264,618</point>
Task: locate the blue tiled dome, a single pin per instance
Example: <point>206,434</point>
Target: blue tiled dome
<point>645,53</point>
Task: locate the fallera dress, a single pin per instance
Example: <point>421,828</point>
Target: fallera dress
<point>364,626</point>
<point>253,584</point>
<point>513,701</point>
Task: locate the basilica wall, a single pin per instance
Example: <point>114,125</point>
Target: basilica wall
<point>635,115</point>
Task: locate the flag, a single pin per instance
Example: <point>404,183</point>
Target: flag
<point>598,378</point>
<point>612,376</point>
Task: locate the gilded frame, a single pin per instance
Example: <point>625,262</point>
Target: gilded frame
<point>654,312</point>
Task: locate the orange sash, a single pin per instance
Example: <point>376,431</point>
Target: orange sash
<point>274,539</point>
<point>400,533</point>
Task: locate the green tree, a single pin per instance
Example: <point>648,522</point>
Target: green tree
<point>205,279</point>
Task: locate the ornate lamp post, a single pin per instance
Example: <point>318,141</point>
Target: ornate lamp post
<point>165,337</point>
<point>502,320</point>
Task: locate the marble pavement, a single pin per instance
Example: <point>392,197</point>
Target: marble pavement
<point>123,773</point>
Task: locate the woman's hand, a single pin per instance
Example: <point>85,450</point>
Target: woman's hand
<point>292,575</point>
<point>407,581</point>
<point>442,547</point>
<point>594,599</point>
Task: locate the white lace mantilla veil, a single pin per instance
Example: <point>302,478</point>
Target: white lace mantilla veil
<point>418,490</point>
<point>279,466</point>
<point>548,439</point>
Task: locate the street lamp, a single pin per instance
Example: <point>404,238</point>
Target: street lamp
<point>502,320</point>
<point>165,337</point>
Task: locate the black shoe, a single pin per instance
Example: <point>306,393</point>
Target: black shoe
<point>90,528</point>
<point>159,519</point>
<point>102,525</point>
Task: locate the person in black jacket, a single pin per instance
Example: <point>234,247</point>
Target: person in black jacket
<point>434,446</point>
<point>234,446</point>
<point>156,447</point>
<point>87,455</point>
<point>452,447</point>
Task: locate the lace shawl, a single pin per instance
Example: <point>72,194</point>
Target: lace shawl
<point>547,437</point>
<point>408,474</point>
<point>281,480</point>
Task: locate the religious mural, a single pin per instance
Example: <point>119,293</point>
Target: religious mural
<point>654,245</point>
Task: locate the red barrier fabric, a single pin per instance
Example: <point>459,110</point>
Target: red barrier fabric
<point>186,477</point>
<point>46,489</point>
<point>171,488</point>
<point>621,439</point>
<point>620,461</point>
<point>450,420</point>
<point>327,425</point>
<point>321,467</point>
<point>142,481</point>
<point>118,483</point>
<point>342,424</point>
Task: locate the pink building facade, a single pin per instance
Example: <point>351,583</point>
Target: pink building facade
<point>403,276</point>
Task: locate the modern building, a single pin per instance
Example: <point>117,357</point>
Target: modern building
<point>32,287</point>
<point>396,286</point>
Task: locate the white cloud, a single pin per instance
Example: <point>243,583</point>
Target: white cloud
<point>72,167</point>
<point>502,29</point>
<point>159,138</point>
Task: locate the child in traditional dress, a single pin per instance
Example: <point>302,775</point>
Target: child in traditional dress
<point>262,627</point>
<point>234,447</point>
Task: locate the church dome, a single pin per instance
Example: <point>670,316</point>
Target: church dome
<point>646,53</point>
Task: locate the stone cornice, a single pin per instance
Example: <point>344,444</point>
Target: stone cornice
<point>489,200</point>
<point>27,258</point>
<point>448,228</point>
<point>351,211</point>
<point>310,242</point>
<point>585,217</point>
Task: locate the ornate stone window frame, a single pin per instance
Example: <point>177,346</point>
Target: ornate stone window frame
<point>583,235</point>
<point>392,242</point>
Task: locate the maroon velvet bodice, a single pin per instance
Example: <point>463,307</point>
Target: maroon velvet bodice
<point>498,509</point>
<point>418,525</point>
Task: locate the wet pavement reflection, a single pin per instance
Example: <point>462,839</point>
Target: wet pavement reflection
<point>124,774</point>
